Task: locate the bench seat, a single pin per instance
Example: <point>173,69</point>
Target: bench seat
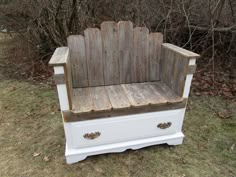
<point>113,97</point>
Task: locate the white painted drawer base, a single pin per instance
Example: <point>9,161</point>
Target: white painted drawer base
<point>75,155</point>
<point>119,133</point>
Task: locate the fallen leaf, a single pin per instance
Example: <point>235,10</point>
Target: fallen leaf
<point>197,93</point>
<point>36,154</point>
<point>224,114</point>
<point>232,147</point>
<point>12,89</point>
<point>46,158</point>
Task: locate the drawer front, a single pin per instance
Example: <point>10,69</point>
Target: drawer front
<point>124,128</point>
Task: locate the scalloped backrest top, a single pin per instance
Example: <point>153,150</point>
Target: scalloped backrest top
<point>115,54</point>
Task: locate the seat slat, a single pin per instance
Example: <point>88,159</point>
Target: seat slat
<point>166,92</point>
<point>78,61</point>
<point>152,95</point>
<point>141,94</point>
<point>100,99</point>
<point>125,38</point>
<point>81,100</point>
<point>117,97</point>
<point>140,56</point>
<point>109,32</point>
<point>135,95</point>
<point>93,43</point>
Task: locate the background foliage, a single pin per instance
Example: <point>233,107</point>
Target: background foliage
<point>199,25</point>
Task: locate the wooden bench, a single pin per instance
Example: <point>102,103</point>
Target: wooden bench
<point>121,88</point>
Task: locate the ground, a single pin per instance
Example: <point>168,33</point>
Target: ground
<point>32,137</point>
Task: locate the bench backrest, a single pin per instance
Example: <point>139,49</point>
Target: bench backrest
<point>115,54</point>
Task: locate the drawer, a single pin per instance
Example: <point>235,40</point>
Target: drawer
<point>123,128</point>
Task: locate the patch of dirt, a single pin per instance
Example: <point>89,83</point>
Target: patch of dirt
<point>221,82</point>
<point>20,62</point>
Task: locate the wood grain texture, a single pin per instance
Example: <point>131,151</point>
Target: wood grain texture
<point>59,57</point>
<point>125,38</point>
<point>153,96</point>
<point>192,69</point>
<point>155,42</point>
<point>68,80</point>
<point>100,99</point>
<point>90,99</point>
<point>73,116</point>
<point>181,51</point>
<point>82,101</point>
<point>165,92</point>
<point>93,45</point>
<point>109,32</point>
<point>123,96</point>
<point>174,68</point>
<point>59,79</point>
<point>79,71</point>
<point>117,97</point>
<point>179,76</point>
<point>140,56</point>
<point>135,96</point>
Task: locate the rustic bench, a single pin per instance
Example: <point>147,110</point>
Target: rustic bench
<point>121,88</point>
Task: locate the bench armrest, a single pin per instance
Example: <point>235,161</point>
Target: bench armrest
<point>185,53</point>
<point>59,57</point>
<point>177,67</point>
<point>60,60</point>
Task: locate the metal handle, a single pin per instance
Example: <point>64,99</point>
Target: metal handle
<point>92,136</point>
<point>164,125</point>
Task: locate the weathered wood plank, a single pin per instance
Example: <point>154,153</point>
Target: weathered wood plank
<point>181,51</point>
<point>140,57</point>
<point>152,95</point>
<point>170,69</point>
<point>125,37</point>
<point>82,101</point>
<point>109,32</point>
<point>155,41</point>
<point>59,79</point>
<point>117,97</point>
<point>100,98</point>
<point>72,116</point>
<point>192,69</point>
<point>180,73</point>
<point>174,68</point>
<point>79,71</point>
<point>166,92</point>
<point>68,80</point>
<point>59,57</point>
<point>93,47</point>
<point>123,96</point>
<point>90,99</point>
<point>135,95</point>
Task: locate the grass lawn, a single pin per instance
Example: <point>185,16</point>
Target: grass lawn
<point>32,140</point>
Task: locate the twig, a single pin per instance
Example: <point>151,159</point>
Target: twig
<point>218,29</point>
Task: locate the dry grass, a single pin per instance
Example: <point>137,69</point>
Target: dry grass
<point>32,140</point>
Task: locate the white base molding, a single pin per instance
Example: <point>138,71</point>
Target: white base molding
<point>76,155</point>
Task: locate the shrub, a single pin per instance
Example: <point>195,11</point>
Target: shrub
<point>199,25</point>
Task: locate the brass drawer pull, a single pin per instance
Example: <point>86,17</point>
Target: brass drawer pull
<point>92,136</point>
<point>164,125</point>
